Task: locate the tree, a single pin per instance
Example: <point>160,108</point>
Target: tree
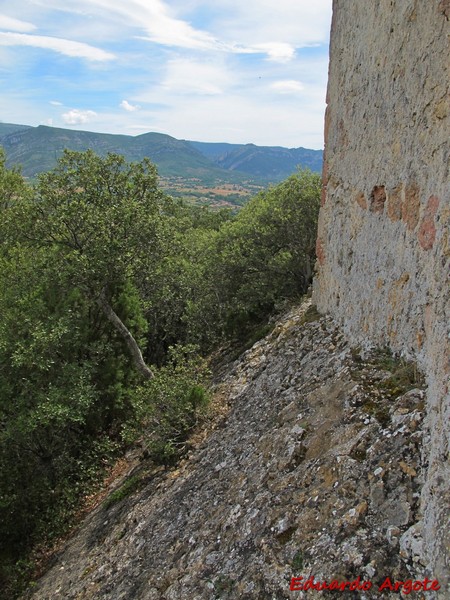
<point>266,254</point>
<point>76,249</point>
<point>102,218</point>
<point>12,185</point>
<point>98,269</point>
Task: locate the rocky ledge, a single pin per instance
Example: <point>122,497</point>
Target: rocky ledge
<point>314,472</point>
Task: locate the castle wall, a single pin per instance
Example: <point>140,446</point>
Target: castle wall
<point>383,241</point>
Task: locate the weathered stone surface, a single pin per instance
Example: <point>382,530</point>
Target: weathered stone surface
<point>427,230</point>
<point>388,90</point>
<point>377,199</point>
<point>316,470</point>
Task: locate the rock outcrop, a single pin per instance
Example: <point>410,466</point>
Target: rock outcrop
<point>315,471</point>
<point>383,243</point>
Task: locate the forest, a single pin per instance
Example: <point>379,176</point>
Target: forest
<point>113,295</point>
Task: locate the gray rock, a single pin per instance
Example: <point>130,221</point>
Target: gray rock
<point>291,484</point>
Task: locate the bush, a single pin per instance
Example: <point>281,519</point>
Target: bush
<point>171,404</point>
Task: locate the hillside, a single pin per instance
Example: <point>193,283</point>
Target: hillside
<point>36,149</point>
<point>326,457</point>
<point>267,162</point>
<point>6,128</point>
<point>313,471</point>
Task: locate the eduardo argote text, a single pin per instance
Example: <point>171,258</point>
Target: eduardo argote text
<point>299,584</point>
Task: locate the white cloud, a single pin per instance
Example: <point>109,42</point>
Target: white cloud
<point>78,117</point>
<point>66,47</point>
<point>55,103</point>
<point>128,107</point>
<point>299,23</point>
<point>288,86</point>
<point>256,113</point>
<point>155,18</point>
<point>234,118</point>
<point>254,26</point>
<point>15,24</point>
<point>276,51</point>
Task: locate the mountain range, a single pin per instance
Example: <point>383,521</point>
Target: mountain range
<point>36,149</point>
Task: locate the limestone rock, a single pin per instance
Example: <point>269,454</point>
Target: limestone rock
<point>301,479</point>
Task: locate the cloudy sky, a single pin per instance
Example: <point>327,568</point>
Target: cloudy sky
<point>210,70</point>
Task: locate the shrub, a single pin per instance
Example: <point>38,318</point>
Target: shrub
<point>170,405</point>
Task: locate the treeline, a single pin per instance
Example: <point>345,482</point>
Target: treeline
<point>111,295</point>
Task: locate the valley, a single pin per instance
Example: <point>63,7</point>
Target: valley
<point>217,174</point>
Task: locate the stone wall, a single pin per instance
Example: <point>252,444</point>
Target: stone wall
<point>383,242</point>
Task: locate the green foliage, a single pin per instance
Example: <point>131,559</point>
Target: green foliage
<point>385,377</point>
<point>12,186</point>
<point>404,374</point>
<point>183,163</point>
<point>131,485</point>
<point>311,315</point>
<point>170,405</point>
<point>298,562</point>
<point>180,278</point>
<point>250,336</point>
<point>101,216</point>
<point>65,379</point>
<point>397,376</point>
<point>266,255</point>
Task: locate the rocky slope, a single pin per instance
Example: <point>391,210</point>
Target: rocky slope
<point>315,470</point>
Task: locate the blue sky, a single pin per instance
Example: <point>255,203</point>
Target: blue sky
<point>210,70</point>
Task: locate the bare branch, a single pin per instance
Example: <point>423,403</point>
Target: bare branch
<point>126,335</point>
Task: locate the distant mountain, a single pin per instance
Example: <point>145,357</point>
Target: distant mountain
<point>267,162</point>
<point>215,151</point>
<point>37,149</point>
<point>6,128</point>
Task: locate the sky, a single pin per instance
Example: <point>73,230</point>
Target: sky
<point>237,71</point>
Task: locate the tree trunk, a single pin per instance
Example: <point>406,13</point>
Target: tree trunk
<point>126,335</point>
